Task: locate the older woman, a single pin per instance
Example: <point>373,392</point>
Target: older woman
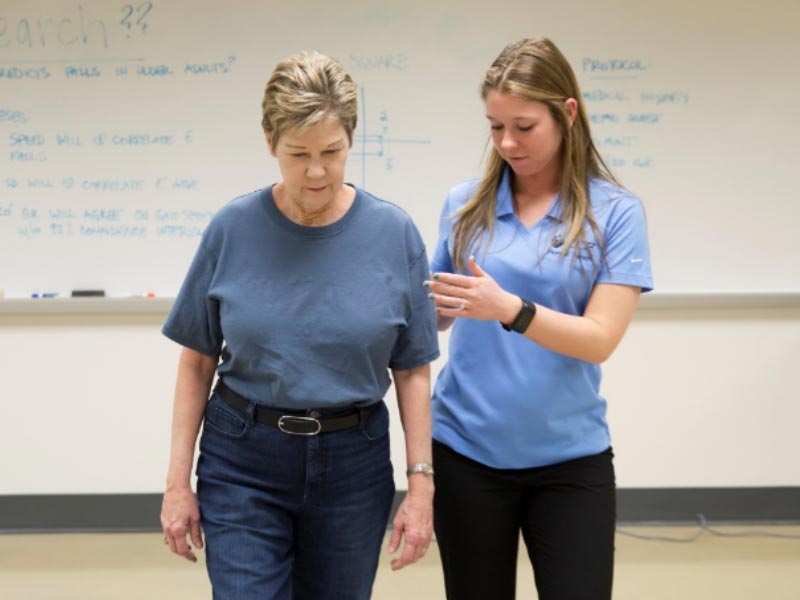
<point>301,296</point>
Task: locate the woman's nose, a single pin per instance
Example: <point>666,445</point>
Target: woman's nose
<point>508,141</point>
<point>315,170</point>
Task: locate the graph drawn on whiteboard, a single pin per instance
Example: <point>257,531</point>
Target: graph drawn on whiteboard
<point>374,147</point>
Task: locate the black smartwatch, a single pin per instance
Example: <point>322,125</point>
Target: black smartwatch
<point>523,319</point>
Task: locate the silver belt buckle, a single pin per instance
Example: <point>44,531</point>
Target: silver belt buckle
<point>290,418</point>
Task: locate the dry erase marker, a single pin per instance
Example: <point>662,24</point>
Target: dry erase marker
<point>88,293</point>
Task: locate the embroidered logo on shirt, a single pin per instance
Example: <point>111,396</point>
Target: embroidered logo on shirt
<point>557,241</point>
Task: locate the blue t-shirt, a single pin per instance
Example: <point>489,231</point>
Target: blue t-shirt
<point>502,399</point>
<point>308,317</point>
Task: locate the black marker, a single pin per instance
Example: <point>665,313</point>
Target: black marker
<point>88,293</point>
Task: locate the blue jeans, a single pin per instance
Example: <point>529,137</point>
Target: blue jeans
<point>288,516</point>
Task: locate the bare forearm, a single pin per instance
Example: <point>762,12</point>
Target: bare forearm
<point>413,397</point>
<point>570,335</point>
<point>575,336</point>
<point>195,374</point>
<point>592,336</point>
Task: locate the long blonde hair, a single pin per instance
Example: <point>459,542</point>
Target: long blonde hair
<point>535,69</point>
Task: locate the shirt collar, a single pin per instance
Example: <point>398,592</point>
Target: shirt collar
<point>505,200</point>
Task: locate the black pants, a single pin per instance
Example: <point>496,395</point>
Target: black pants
<point>566,513</point>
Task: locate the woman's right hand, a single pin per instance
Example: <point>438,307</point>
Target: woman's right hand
<point>180,514</point>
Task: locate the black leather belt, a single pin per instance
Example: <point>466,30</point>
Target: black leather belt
<point>309,422</point>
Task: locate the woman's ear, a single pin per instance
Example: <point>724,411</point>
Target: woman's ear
<point>571,106</point>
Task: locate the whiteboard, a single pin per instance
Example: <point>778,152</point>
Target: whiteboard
<point>125,126</point>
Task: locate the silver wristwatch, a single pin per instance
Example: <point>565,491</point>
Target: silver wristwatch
<point>424,468</point>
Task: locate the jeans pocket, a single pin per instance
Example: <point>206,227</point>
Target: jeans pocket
<point>378,424</point>
<point>223,419</point>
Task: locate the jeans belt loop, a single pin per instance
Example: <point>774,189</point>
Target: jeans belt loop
<point>251,414</point>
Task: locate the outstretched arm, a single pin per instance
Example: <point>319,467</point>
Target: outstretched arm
<point>592,336</point>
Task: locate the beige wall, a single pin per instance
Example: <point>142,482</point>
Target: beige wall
<point>696,398</point>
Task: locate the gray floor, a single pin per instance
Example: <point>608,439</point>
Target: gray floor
<point>137,566</point>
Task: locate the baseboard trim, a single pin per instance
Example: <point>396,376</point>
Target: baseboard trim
<point>730,504</point>
<point>67,513</point>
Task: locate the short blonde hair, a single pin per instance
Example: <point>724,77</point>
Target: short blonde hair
<point>303,90</point>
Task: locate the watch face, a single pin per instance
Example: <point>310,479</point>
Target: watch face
<point>420,468</point>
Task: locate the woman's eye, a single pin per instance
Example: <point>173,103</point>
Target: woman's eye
<point>331,152</point>
<point>299,155</point>
<point>528,128</point>
<point>497,127</point>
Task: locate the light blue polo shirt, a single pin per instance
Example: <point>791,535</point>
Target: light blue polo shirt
<point>308,317</point>
<point>501,399</point>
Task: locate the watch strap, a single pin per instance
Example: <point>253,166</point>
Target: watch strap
<point>524,317</point>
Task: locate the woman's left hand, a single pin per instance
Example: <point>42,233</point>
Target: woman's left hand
<point>476,297</point>
<point>414,521</point>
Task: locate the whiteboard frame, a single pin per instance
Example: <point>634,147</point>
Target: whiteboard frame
<point>122,306</point>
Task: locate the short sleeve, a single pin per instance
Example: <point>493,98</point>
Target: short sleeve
<point>627,251</point>
<point>194,319</point>
<point>418,342</point>
<point>442,261</point>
